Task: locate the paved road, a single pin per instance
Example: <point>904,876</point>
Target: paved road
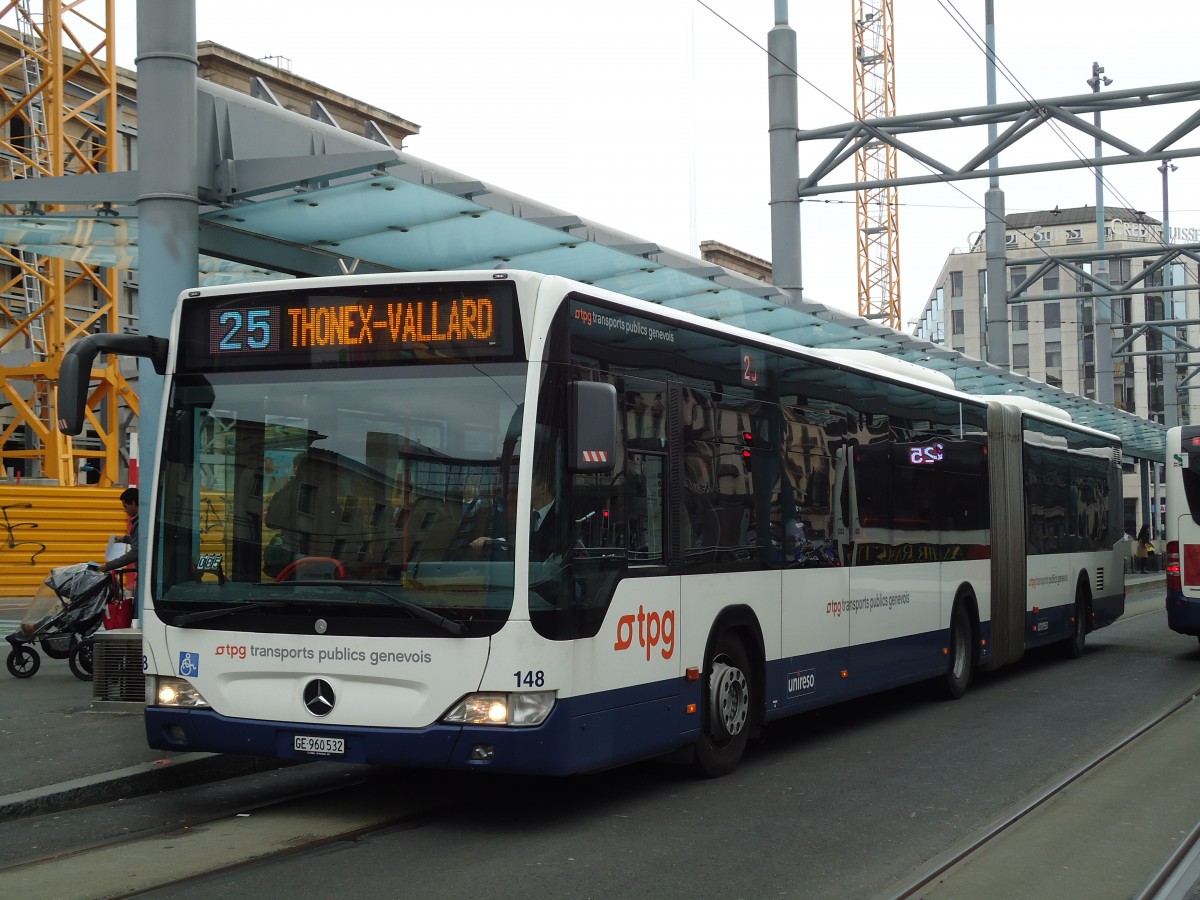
<point>847,802</point>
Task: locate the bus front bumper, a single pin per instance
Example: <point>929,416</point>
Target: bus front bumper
<point>581,734</point>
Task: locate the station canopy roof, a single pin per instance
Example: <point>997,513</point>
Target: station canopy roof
<point>390,211</point>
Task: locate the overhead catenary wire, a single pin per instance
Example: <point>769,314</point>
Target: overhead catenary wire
<point>1008,74</point>
<point>826,95</point>
<point>960,20</point>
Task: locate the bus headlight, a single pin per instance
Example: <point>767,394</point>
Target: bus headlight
<point>520,710</point>
<point>176,692</point>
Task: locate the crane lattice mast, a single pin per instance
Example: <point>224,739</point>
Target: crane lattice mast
<point>877,220</point>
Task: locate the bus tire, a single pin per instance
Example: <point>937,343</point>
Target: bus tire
<point>1074,646</point>
<point>962,659</point>
<point>727,708</point>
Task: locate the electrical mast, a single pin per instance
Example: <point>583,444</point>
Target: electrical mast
<point>877,218</point>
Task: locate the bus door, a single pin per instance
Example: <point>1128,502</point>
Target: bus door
<point>894,603</point>
<point>806,540</point>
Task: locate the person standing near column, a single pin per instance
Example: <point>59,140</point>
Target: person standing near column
<point>129,501</point>
<point>1144,549</point>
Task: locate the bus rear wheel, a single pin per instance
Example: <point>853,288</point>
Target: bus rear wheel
<point>727,708</point>
<point>958,672</point>
<point>1073,646</point>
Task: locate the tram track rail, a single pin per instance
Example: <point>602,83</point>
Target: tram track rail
<point>1182,863</point>
<point>217,843</point>
<point>1179,874</point>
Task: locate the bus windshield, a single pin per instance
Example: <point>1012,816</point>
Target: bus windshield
<point>385,488</point>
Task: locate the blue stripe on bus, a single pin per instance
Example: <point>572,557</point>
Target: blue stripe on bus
<point>1055,624</point>
<point>1106,610</point>
<point>1183,613</point>
<point>1058,624</point>
<point>800,683</point>
<point>590,732</point>
<point>586,733</point>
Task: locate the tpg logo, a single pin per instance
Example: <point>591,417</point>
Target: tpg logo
<point>652,629</point>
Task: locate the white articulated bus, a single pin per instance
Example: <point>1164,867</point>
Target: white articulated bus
<point>507,521</point>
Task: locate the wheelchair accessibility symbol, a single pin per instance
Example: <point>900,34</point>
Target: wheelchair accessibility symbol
<point>189,664</point>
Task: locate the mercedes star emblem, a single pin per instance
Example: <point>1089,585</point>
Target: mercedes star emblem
<point>319,697</point>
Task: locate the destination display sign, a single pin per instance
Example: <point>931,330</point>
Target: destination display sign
<point>377,324</point>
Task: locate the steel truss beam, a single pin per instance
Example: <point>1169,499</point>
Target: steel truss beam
<point>1167,328</point>
<point>1022,118</point>
<point>1070,263</point>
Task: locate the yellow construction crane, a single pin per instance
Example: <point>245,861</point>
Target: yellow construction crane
<point>58,116</point>
<point>877,218</point>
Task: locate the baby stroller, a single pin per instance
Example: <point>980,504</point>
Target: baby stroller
<point>68,607</point>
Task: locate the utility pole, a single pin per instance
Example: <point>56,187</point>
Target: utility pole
<point>1101,305</point>
<point>169,239</point>
<point>1170,377</point>
<point>784,116</point>
<point>994,225</point>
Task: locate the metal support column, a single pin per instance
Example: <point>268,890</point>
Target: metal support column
<point>994,226</point>
<point>1144,485</point>
<point>167,202</point>
<point>1170,378</point>
<point>1102,304</point>
<point>784,118</point>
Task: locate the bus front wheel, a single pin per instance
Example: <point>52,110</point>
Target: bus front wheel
<point>728,695</point>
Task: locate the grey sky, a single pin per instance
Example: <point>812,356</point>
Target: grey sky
<point>649,116</point>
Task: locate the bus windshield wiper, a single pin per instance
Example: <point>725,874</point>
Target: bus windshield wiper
<point>453,626</point>
<point>216,613</point>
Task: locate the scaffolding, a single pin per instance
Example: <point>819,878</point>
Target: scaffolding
<point>58,116</point>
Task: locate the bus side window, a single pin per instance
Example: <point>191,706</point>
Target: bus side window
<point>645,513</point>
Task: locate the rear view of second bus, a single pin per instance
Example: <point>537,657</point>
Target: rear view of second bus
<point>1183,529</point>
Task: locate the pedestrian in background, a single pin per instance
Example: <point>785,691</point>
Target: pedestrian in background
<point>1144,549</point>
<point>129,502</point>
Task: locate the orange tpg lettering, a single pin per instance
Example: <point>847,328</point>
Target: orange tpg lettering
<point>650,629</point>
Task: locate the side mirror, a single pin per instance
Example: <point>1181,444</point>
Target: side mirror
<point>76,369</point>
<point>592,426</point>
